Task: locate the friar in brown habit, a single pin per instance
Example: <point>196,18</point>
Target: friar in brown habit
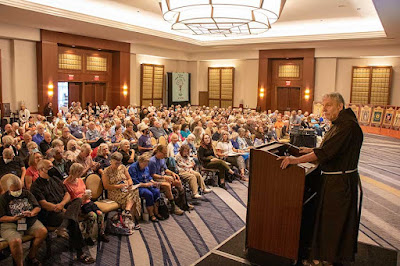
<point>338,214</point>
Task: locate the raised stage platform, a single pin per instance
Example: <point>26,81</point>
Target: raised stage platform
<point>232,253</point>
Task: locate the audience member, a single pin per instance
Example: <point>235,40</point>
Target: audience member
<point>77,189</point>
<point>149,189</point>
<point>186,166</point>
<point>18,217</point>
<point>58,210</point>
<point>118,182</point>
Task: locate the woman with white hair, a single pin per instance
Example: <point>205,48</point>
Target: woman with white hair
<point>18,205</point>
<point>24,114</point>
<point>8,141</point>
<point>73,150</point>
<point>103,157</point>
<point>11,164</point>
<point>190,140</point>
<point>128,154</point>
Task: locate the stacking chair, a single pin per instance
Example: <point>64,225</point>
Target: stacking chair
<point>153,141</point>
<point>162,140</point>
<point>94,183</point>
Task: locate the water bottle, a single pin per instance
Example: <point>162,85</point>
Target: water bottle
<point>145,215</point>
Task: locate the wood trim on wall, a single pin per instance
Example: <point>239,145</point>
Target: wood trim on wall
<point>116,77</point>
<point>83,41</point>
<point>269,101</point>
<point>1,92</point>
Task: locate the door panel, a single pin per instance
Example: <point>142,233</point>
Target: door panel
<point>74,92</point>
<point>283,99</point>
<point>88,93</point>
<point>203,98</point>
<point>100,92</point>
<point>288,98</point>
<point>294,98</point>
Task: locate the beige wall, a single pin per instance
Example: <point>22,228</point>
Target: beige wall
<point>343,83</point>
<point>325,76</point>
<point>334,74</point>
<point>19,78</point>
<point>246,76</point>
<point>6,71</point>
<point>170,65</point>
<point>246,79</point>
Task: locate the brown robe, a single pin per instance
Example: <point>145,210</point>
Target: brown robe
<point>337,218</point>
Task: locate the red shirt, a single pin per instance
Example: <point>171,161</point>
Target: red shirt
<point>33,172</point>
<point>77,189</point>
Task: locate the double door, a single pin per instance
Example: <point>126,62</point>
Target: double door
<point>288,98</point>
<point>86,92</point>
<point>94,92</point>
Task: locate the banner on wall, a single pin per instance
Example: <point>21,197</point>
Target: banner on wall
<point>180,87</point>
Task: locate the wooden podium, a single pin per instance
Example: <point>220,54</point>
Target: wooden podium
<point>275,205</point>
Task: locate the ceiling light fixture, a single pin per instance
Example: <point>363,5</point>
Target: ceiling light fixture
<point>221,17</point>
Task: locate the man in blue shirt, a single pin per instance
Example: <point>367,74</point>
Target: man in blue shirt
<point>39,136</point>
<point>140,174</point>
<point>167,179</point>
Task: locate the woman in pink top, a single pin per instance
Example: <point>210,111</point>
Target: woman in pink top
<point>77,189</point>
<point>32,172</point>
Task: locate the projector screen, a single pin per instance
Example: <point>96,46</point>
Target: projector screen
<point>180,87</point>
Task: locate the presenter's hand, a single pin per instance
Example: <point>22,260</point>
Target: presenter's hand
<point>305,150</point>
<point>286,160</point>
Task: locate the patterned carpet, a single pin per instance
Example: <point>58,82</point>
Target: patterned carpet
<point>380,170</point>
<point>181,240</point>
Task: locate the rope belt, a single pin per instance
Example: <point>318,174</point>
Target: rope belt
<point>339,172</point>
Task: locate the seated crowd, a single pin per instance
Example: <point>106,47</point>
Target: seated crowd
<point>139,153</point>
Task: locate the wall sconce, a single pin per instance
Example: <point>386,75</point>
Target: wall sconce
<point>125,90</point>
<point>262,93</point>
<point>50,89</point>
<point>307,94</point>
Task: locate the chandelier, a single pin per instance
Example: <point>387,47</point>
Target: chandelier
<point>221,17</point>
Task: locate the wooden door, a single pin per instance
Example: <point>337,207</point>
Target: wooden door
<point>283,99</point>
<point>294,98</point>
<point>88,93</point>
<point>203,98</point>
<point>288,98</point>
<point>74,92</point>
<point>100,92</point>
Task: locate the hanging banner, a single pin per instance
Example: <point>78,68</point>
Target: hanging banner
<point>180,87</point>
